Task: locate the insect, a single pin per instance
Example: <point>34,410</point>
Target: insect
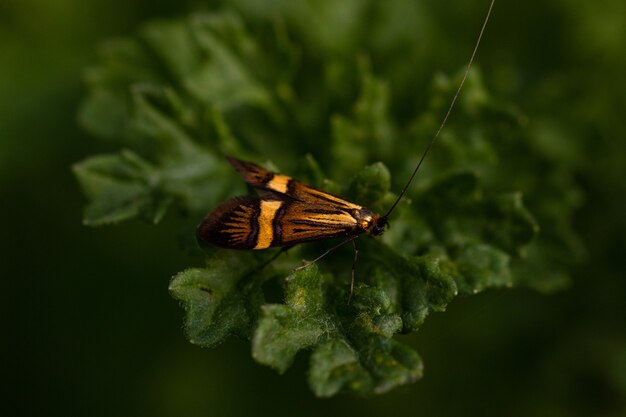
<point>289,212</point>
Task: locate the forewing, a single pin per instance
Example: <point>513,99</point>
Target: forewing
<point>299,222</point>
<point>252,223</point>
<point>271,183</point>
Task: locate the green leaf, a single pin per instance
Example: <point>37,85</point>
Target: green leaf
<point>335,367</point>
<point>283,330</point>
<point>121,187</point>
<point>220,299</point>
<point>106,110</point>
<point>370,187</point>
<point>416,286</point>
<point>369,130</point>
<point>357,354</point>
<point>205,57</point>
<point>480,233</point>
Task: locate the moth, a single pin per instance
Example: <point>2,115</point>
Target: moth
<point>289,212</point>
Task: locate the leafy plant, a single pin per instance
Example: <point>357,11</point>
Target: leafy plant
<point>184,93</point>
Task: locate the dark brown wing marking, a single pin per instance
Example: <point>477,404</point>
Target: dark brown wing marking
<point>233,224</point>
<point>253,174</point>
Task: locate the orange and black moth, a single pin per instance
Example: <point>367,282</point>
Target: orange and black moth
<point>287,212</point>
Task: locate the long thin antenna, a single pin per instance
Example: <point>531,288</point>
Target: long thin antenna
<point>445,118</point>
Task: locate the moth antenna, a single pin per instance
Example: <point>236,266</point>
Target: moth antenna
<point>445,118</point>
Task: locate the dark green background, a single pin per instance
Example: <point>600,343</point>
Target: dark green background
<point>93,331</point>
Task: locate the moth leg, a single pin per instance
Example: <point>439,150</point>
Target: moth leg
<point>309,263</point>
<point>356,257</point>
<point>272,258</point>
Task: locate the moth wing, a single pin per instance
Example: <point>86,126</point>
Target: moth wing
<point>253,223</point>
<point>233,224</point>
<point>253,174</point>
<point>288,212</point>
<point>270,182</point>
<point>299,222</point>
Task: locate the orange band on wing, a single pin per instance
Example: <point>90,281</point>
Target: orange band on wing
<point>266,217</point>
<point>279,183</point>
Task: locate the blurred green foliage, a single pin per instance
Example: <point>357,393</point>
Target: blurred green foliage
<point>358,79</point>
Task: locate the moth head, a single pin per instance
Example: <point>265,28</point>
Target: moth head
<point>378,225</point>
